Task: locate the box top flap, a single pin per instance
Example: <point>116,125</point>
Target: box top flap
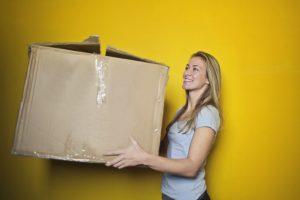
<point>92,39</point>
<point>89,45</point>
<point>114,52</point>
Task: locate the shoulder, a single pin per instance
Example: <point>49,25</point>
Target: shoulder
<point>209,110</point>
<point>208,116</point>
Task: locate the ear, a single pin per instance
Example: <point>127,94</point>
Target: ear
<point>207,82</point>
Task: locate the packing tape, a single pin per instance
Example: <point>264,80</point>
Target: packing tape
<point>100,66</point>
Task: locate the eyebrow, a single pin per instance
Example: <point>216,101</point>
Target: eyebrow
<point>193,65</point>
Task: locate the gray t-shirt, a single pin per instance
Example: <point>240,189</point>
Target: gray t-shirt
<point>180,187</point>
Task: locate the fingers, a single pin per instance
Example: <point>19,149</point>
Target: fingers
<point>114,161</point>
<point>118,163</point>
<point>121,163</point>
<point>132,140</point>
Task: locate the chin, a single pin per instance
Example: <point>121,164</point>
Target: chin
<point>186,88</point>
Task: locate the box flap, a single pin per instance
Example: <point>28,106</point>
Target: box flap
<point>114,52</point>
<point>89,45</point>
<point>92,39</point>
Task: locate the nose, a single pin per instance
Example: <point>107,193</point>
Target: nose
<point>188,72</point>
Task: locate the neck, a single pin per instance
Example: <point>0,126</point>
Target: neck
<point>194,95</point>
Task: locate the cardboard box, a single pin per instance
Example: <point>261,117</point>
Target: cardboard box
<point>78,104</point>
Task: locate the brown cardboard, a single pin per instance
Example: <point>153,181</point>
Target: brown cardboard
<point>60,117</point>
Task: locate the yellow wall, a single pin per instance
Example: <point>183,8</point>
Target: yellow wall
<point>257,44</point>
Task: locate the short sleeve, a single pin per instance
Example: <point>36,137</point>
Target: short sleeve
<point>208,116</point>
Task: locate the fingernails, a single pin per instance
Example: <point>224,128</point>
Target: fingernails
<point>107,163</point>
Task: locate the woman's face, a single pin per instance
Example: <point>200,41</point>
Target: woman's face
<point>194,76</point>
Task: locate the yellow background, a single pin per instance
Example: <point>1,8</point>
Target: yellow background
<point>257,44</point>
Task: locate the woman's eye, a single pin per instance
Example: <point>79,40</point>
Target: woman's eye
<point>195,69</point>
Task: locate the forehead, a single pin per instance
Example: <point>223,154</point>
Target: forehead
<point>196,61</point>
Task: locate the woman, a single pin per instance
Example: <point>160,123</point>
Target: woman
<point>190,135</point>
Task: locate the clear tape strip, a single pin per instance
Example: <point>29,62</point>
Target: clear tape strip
<point>100,66</point>
<point>67,157</point>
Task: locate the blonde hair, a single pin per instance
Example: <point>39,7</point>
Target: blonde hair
<point>210,97</point>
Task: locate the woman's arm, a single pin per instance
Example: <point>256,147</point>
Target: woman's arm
<point>200,147</point>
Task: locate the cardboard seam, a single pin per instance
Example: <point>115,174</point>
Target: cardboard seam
<point>32,89</point>
<point>18,132</point>
<point>157,123</point>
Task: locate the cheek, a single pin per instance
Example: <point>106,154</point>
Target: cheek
<point>196,76</point>
<point>199,78</point>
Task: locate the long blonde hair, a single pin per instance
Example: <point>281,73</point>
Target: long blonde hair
<point>210,97</point>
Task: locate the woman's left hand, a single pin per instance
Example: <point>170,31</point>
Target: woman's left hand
<point>130,156</point>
